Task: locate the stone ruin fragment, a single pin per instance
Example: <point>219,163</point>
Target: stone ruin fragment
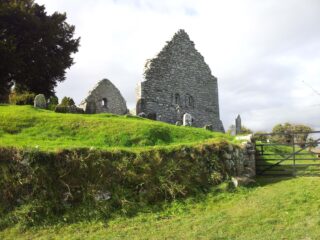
<point>104,98</point>
<point>178,81</point>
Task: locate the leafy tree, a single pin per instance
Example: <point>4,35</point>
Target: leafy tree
<point>67,105</point>
<point>284,133</point>
<point>67,101</point>
<point>53,102</point>
<point>301,138</point>
<point>22,98</point>
<point>36,47</point>
<point>245,130</point>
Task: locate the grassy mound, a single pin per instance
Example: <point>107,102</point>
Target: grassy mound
<point>272,209</point>
<point>91,166</point>
<point>24,126</point>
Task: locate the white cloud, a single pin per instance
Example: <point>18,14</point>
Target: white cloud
<point>261,51</point>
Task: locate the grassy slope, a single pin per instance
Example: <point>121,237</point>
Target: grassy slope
<point>24,126</point>
<point>287,209</point>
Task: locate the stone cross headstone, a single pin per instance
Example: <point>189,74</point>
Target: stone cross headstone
<point>187,119</point>
<point>40,101</point>
<point>238,125</point>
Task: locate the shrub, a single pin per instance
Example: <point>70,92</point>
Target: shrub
<point>284,133</point>
<point>68,109</point>
<point>25,98</point>
<point>61,109</point>
<point>245,130</point>
<point>53,102</point>
<point>261,136</point>
<point>158,135</point>
<point>67,101</point>
<point>67,105</point>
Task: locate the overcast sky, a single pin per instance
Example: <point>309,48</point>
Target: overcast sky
<point>265,54</point>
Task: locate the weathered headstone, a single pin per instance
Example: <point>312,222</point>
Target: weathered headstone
<point>40,101</point>
<point>238,125</point>
<point>187,119</point>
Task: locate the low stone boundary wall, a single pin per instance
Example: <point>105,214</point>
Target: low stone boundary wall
<point>120,179</point>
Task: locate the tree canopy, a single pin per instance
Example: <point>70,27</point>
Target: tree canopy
<point>35,47</point>
<point>289,129</point>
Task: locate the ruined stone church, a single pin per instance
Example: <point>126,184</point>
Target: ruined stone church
<point>178,81</point>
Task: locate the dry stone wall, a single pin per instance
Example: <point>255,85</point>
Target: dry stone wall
<point>178,81</point>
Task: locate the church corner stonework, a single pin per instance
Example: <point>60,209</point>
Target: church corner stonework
<point>178,81</point>
<point>104,98</point>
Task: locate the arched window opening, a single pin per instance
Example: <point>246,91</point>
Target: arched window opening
<point>189,101</point>
<point>104,102</point>
<point>177,99</point>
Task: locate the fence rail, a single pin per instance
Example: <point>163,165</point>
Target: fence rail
<point>287,156</point>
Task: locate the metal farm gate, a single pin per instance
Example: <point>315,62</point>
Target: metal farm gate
<point>288,154</point>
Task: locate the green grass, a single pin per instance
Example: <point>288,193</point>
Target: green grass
<point>24,126</point>
<point>271,209</point>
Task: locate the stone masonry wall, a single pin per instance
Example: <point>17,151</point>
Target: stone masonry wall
<point>242,159</point>
<point>104,97</point>
<point>179,81</point>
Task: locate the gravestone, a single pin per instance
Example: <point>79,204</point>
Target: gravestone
<point>187,119</point>
<point>40,101</point>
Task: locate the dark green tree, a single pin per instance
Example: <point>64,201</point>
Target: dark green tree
<point>35,48</point>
